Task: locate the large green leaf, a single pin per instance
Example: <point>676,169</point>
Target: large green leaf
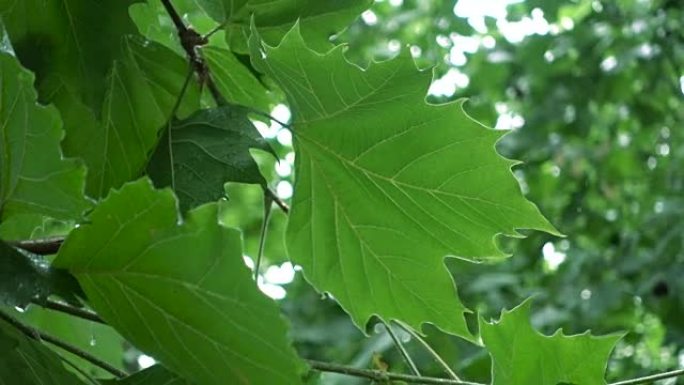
<point>387,185</point>
<point>34,178</point>
<point>318,19</point>
<point>179,290</point>
<point>28,362</point>
<point>24,278</point>
<point>198,155</point>
<point>522,356</point>
<point>155,375</point>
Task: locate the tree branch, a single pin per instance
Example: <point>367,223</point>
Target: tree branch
<point>651,378</point>
<point>38,335</point>
<point>73,311</point>
<point>377,375</point>
<point>427,347</point>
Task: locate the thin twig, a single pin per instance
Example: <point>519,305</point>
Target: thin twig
<point>67,309</point>
<point>380,376</point>
<point>38,335</point>
<point>427,347</point>
<point>269,116</point>
<point>651,378</point>
<point>402,350</point>
<point>276,199</point>
<point>262,238</point>
<point>45,246</point>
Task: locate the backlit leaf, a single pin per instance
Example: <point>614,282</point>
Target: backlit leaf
<point>387,185</point>
<point>179,290</point>
<point>522,356</point>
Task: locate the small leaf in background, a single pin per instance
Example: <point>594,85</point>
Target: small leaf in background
<point>27,362</point>
<point>205,151</point>
<point>235,81</point>
<point>523,356</point>
<point>387,185</point>
<point>179,290</point>
<point>319,20</point>
<point>25,278</point>
<point>34,178</point>
<point>155,375</point>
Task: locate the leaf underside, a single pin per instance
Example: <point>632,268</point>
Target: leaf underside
<point>387,185</point>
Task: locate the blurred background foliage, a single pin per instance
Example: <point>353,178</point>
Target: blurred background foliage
<point>592,91</point>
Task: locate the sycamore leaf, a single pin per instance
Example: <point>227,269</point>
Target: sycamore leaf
<point>155,375</point>
<point>179,290</point>
<point>318,19</point>
<point>387,185</point>
<point>34,178</point>
<point>198,155</point>
<point>25,278</point>
<point>27,362</point>
<point>522,356</point>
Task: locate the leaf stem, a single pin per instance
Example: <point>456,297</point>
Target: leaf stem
<point>651,378</point>
<point>402,350</point>
<point>262,238</point>
<point>427,347</point>
<point>67,309</point>
<point>276,199</point>
<point>379,376</point>
<point>38,335</point>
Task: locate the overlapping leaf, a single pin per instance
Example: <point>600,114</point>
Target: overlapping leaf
<point>318,19</point>
<point>198,155</point>
<point>179,291</point>
<point>114,90</point>
<point>28,362</point>
<point>34,178</point>
<point>24,278</point>
<point>155,375</point>
<point>522,356</point>
<point>387,185</point>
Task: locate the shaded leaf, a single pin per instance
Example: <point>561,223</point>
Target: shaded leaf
<point>155,375</point>
<point>27,362</point>
<point>97,339</point>
<point>179,290</point>
<point>522,356</point>
<point>34,178</point>
<point>68,43</point>
<point>318,19</point>
<point>387,185</point>
<point>198,155</point>
<point>24,278</point>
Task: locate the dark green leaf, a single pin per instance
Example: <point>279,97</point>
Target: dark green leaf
<point>25,278</point>
<point>155,375</point>
<point>34,178</point>
<point>198,155</point>
<point>27,362</point>
<point>179,290</point>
